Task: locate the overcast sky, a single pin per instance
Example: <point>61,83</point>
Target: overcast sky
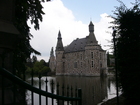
<point>72,18</point>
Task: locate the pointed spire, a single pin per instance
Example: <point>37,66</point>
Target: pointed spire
<point>91,27</point>
<point>52,52</point>
<point>59,34</point>
<point>59,46</point>
<point>91,23</point>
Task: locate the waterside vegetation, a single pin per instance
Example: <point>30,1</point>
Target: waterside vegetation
<point>126,26</point>
<point>38,67</point>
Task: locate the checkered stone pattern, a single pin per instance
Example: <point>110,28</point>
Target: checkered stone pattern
<point>82,56</point>
<point>80,63</point>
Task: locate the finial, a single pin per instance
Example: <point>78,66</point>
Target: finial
<point>90,18</point>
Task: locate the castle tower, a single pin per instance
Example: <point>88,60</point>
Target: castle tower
<point>91,27</point>
<point>59,56</point>
<point>91,38</point>
<point>92,53</point>
<point>52,62</point>
<point>59,46</point>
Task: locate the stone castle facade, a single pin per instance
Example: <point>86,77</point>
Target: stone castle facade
<point>83,56</point>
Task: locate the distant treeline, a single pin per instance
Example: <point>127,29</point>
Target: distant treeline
<point>39,67</point>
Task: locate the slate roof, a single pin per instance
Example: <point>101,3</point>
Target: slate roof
<point>76,45</point>
<point>59,46</point>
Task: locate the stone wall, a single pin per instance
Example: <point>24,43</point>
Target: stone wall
<point>52,63</point>
<point>89,62</point>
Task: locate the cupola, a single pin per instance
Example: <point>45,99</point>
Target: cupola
<point>91,27</point>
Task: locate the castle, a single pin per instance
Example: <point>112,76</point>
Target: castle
<point>83,56</point>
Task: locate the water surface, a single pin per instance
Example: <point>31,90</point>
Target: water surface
<point>94,89</point>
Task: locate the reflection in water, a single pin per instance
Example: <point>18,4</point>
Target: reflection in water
<point>111,87</point>
<point>43,87</point>
<point>94,89</point>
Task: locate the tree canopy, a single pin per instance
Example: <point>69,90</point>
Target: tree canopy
<point>127,25</point>
<point>38,67</point>
<point>26,10</point>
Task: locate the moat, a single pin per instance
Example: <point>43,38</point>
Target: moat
<point>94,89</point>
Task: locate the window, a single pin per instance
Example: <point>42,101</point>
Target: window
<point>92,64</point>
<point>63,64</point>
<point>75,64</point>
<point>81,64</point>
<point>97,53</point>
<point>81,57</point>
<point>92,55</point>
<point>100,64</point>
<point>100,55</point>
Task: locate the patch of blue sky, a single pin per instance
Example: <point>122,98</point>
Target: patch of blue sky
<point>86,10</point>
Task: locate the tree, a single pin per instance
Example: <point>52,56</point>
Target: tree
<point>40,67</point>
<point>26,10</point>
<point>127,24</point>
<point>34,58</point>
<point>108,59</point>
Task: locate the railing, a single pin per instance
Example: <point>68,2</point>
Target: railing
<point>70,99</point>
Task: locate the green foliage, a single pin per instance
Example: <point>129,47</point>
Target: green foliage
<point>127,24</point>
<point>39,67</point>
<point>28,70</point>
<point>34,59</point>
<point>26,10</point>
